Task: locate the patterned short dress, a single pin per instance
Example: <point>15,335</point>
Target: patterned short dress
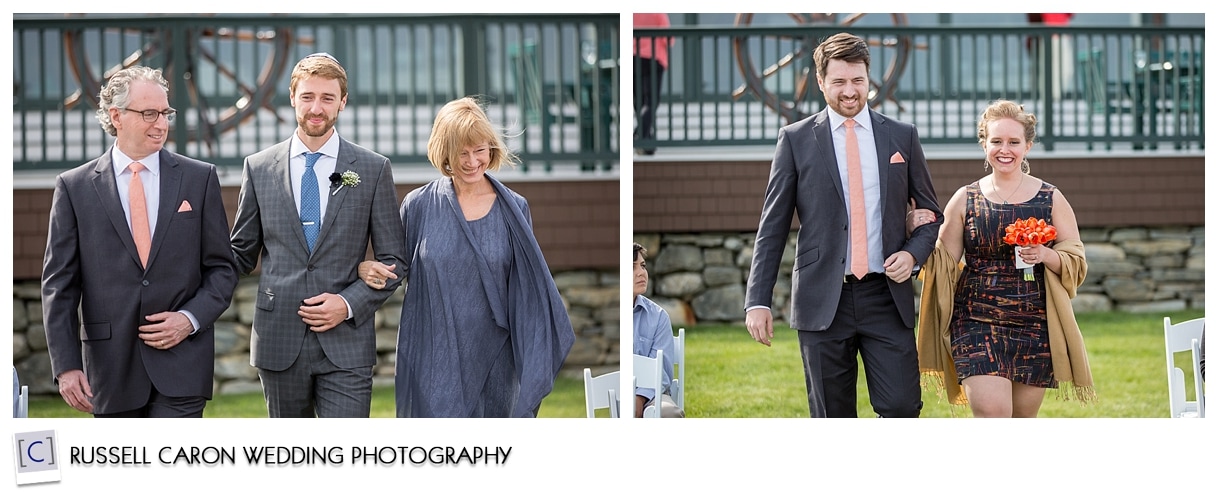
<point>999,325</point>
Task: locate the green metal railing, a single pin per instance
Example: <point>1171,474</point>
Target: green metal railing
<point>551,81</point>
<point>1111,88</point>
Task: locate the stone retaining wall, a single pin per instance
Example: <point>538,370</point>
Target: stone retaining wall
<point>700,278</point>
<point>592,299</point>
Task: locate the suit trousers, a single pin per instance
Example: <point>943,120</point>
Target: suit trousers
<point>161,406</point>
<point>866,322</point>
<point>314,387</point>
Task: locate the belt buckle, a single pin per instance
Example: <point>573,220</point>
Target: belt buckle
<point>846,278</point>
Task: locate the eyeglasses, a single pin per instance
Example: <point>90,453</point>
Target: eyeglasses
<point>150,115</point>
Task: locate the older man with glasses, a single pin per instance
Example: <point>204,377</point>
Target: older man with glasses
<point>138,266</point>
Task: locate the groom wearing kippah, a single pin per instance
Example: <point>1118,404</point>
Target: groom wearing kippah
<point>308,209</point>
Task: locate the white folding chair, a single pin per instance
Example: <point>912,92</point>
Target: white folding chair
<point>1183,337</point>
<point>21,404</point>
<point>1198,379</point>
<point>649,373</point>
<point>601,392</point>
<point>677,388</point>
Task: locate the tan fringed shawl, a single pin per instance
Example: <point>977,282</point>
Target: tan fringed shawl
<point>1070,367</point>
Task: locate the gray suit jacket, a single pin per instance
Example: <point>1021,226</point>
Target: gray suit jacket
<point>804,178</point>
<point>267,227</point>
<point>91,264</point>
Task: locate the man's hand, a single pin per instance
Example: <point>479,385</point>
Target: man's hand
<point>899,266</point>
<point>640,401</point>
<point>760,323</point>
<point>166,330</point>
<point>75,390</point>
<point>323,311</point>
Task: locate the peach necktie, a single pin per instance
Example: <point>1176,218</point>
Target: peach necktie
<point>858,207</point>
<point>139,213</point>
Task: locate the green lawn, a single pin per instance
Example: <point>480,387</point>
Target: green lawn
<point>567,400</point>
<point>730,375</point>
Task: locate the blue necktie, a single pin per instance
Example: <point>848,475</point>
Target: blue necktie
<point>310,200</point>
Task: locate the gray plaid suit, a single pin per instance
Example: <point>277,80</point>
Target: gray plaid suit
<point>267,227</point>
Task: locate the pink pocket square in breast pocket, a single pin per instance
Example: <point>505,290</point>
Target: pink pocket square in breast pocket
<point>185,207</point>
<point>896,158</point>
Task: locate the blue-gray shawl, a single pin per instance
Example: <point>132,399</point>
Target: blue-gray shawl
<point>534,315</point>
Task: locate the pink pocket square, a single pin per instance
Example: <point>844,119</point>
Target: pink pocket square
<point>896,158</point>
<point>185,207</point>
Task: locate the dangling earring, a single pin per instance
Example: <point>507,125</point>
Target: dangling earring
<point>1025,167</point>
<point>985,165</point>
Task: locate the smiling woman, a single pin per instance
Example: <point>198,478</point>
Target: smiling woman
<point>991,333</point>
<point>453,360</point>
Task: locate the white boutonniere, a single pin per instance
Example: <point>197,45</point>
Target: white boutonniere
<point>347,178</point>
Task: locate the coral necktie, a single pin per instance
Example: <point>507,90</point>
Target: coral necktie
<point>139,213</point>
<point>858,206</point>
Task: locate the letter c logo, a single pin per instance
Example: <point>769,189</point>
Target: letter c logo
<point>30,448</point>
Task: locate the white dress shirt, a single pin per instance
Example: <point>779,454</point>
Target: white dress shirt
<point>871,182</point>
<point>151,178</point>
<point>324,167</point>
<point>871,185</point>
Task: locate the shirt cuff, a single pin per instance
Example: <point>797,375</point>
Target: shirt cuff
<point>648,393</point>
<point>750,308</point>
<point>194,322</point>
<point>350,314</point>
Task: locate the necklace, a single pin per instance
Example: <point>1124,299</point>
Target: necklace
<point>1017,187</point>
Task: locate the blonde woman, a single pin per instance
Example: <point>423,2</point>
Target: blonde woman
<point>994,337</point>
<point>483,331</point>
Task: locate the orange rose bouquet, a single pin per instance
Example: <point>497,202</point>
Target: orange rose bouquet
<point>1028,232</point>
